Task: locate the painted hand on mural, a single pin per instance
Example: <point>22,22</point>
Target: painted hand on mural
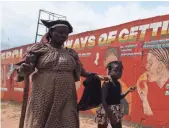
<point>146,108</point>
<point>97,59</point>
<point>142,89</point>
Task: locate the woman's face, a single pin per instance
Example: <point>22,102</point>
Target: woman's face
<point>153,67</point>
<point>59,34</point>
<point>109,59</point>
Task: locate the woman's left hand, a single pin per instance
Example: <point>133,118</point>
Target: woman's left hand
<point>105,78</point>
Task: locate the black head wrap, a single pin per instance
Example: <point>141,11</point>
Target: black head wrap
<point>52,24</point>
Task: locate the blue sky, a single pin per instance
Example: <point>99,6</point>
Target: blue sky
<point>19,19</point>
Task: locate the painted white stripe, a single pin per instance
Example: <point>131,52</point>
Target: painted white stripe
<point>18,89</point>
<point>4,89</point>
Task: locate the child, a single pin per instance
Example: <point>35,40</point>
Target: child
<point>111,111</point>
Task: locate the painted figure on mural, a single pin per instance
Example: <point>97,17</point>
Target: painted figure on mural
<point>10,70</point>
<point>153,86</point>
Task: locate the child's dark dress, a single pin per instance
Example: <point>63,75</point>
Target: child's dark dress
<point>111,92</point>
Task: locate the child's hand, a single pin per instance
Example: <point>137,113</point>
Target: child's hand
<point>132,89</point>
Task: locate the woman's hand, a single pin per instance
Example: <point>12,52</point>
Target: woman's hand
<point>25,69</point>
<point>105,78</point>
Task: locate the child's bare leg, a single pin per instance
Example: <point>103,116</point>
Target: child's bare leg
<point>102,125</point>
<point>117,125</point>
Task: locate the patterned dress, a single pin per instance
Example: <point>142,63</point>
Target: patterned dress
<point>53,100</point>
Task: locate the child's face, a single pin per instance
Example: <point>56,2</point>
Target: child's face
<point>113,73</point>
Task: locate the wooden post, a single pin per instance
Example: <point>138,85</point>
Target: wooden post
<point>25,100</point>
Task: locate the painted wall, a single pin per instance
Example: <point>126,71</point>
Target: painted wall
<point>143,47</point>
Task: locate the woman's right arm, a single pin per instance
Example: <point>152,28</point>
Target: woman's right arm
<point>23,69</point>
<point>27,65</point>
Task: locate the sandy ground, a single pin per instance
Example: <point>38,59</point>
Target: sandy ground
<point>10,113</point>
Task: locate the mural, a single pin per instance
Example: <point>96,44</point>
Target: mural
<point>142,46</point>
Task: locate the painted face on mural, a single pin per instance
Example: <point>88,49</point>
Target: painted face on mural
<point>154,68</point>
<point>110,58</point>
<point>111,55</point>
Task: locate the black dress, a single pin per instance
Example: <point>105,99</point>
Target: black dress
<point>111,93</point>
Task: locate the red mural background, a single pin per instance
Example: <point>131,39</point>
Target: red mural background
<point>149,105</point>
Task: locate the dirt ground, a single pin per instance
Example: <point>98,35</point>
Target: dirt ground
<point>10,113</point>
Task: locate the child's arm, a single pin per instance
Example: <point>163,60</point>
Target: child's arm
<point>125,94</point>
<point>104,96</point>
<point>131,89</point>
